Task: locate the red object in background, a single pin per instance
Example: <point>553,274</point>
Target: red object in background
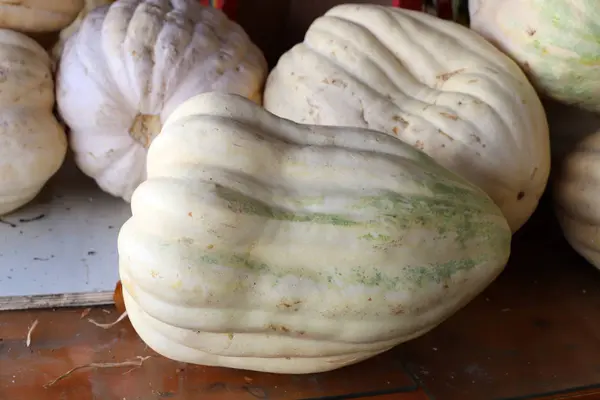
<point>408,4</point>
<point>229,7</point>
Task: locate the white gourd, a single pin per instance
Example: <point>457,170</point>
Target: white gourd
<point>262,244</point>
<point>33,144</point>
<point>432,83</point>
<point>129,65</point>
<point>576,190</point>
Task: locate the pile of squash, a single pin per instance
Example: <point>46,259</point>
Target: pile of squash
<point>309,217</point>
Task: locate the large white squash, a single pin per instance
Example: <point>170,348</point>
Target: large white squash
<point>129,65</point>
<point>433,83</point>
<point>262,244</point>
<point>33,144</point>
<point>577,194</point>
<point>38,15</point>
<point>556,42</point>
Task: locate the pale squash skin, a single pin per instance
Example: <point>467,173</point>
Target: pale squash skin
<point>556,42</point>
<point>576,194</point>
<point>68,31</point>
<point>35,16</point>
<point>130,64</point>
<point>262,244</point>
<point>33,144</point>
<point>432,83</point>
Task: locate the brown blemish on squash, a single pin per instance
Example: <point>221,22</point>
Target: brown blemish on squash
<point>535,170</point>
<point>445,134</point>
<point>449,116</point>
<point>145,128</point>
<point>397,310</point>
<point>530,31</point>
<point>448,75</point>
<point>335,82</point>
<point>398,118</point>
<point>395,130</point>
<point>520,195</point>
<point>476,138</point>
<point>419,145</point>
<point>190,214</point>
<point>279,328</point>
<point>473,81</point>
<point>284,305</point>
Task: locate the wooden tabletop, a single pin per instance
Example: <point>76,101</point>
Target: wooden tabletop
<point>535,333</point>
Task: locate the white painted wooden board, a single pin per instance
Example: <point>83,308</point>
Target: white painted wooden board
<point>61,249</point>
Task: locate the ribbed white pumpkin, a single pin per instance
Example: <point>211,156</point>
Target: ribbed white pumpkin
<point>556,42</point>
<point>433,83</point>
<point>261,244</point>
<point>33,145</point>
<point>38,15</point>
<point>129,65</point>
<point>577,197</point>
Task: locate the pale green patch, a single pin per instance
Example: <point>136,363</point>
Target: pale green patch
<point>575,30</point>
<point>459,213</point>
<point>376,237</point>
<point>418,275</point>
<point>241,204</point>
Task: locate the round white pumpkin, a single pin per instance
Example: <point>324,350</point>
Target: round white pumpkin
<point>38,15</point>
<point>576,190</point>
<point>129,65</point>
<point>432,83</point>
<point>33,144</point>
<point>556,42</point>
<point>262,244</point>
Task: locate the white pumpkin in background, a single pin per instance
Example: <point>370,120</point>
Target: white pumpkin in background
<point>38,15</point>
<point>432,83</point>
<point>262,244</point>
<point>33,144</point>
<point>576,191</point>
<point>556,42</point>
<point>67,32</point>
<point>129,65</point>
